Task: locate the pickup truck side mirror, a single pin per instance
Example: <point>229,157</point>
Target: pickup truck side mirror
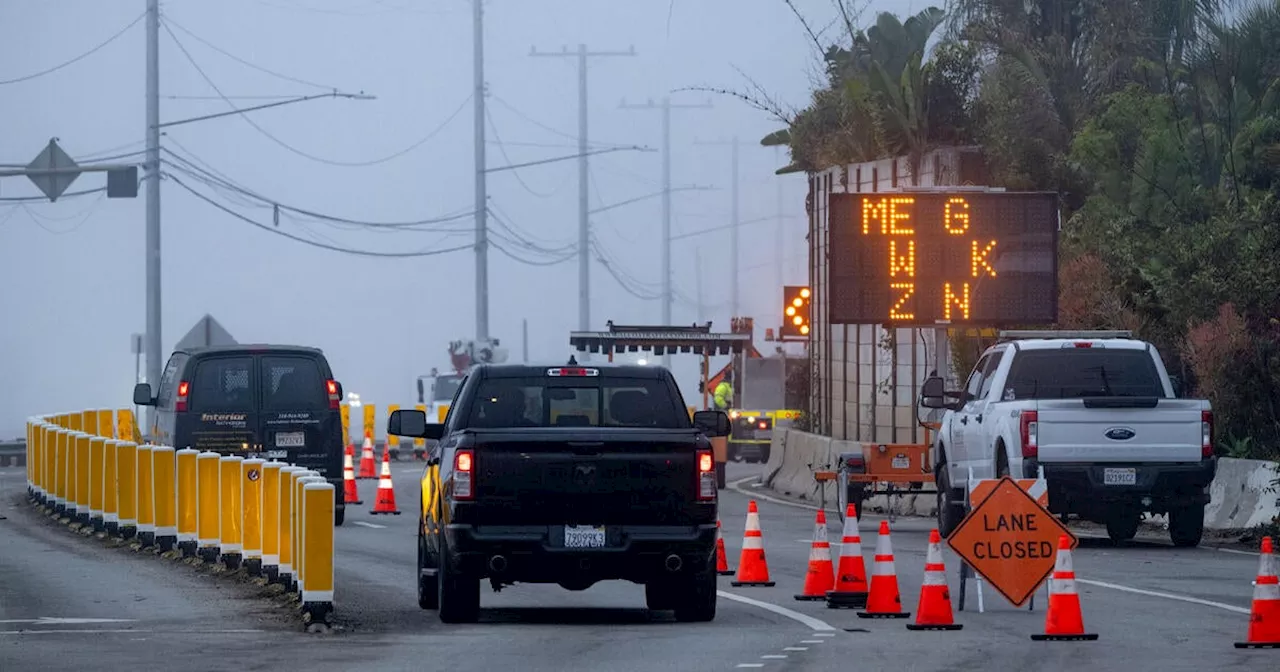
<point>142,395</point>
<point>933,394</point>
<point>712,423</point>
<point>413,424</point>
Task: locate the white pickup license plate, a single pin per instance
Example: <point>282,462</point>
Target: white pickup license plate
<point>584,536</point>
<point>291,439</point>
<point>1119,476</point>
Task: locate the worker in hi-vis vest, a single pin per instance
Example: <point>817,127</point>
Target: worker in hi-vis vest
<point>723,395</point>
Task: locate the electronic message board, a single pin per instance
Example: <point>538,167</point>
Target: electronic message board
<point>939,258</point>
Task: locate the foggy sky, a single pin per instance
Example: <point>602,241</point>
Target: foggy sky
<point>74,272</point>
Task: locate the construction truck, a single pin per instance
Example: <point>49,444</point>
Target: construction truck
<point>436,389</point>
<point>757,401</point>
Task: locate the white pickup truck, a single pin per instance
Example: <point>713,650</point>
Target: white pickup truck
<point>1097,411</point>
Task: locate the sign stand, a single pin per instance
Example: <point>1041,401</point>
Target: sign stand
<point>1034,491</point>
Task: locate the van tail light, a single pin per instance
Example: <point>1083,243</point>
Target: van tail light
<point>331,386</point>
<point>706,475</point>
<point>1206,434</point>
<point>464,466</point>
<point>1029,428</point>
<point>180,404</point>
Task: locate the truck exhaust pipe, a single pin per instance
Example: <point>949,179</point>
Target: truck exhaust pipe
<point>498,564</point>
<point>673,563</point>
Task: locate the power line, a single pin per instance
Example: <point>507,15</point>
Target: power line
<point>248,64</point>
<point>291,148</point>
<point>45,199</point>
<point>496,211</point>
<point>333,248</point>
<point>79,58</point>
<point>550,129</point>
<point>503,150</point>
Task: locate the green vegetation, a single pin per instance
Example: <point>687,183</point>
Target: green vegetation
<point>1159,123</point>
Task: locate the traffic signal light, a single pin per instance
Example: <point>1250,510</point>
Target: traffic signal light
<point>795,311</point>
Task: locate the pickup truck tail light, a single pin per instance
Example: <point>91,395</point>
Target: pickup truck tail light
<point>180,404</point>
<point>706,475</point>
<point>464,467</point>
<point>1029,428</point>
<point>1206,434</point>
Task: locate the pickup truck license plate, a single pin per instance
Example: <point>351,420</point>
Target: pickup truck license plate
<point>277,454</point>
<point>1112,476</point>
<point>583,536</point>
<point>290,440</point>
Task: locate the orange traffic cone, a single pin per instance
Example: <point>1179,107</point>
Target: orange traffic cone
<point>753,569</point>
<point>385,500</point>
<point>884,600</point>
<point>851,574</point>
<point>350,493</point>
<point>1264,617</point>
<point>367,461</point>
<point>821,575</point>
<point>933,612</point>
<point>1063,621</point>
<point>722,560</point>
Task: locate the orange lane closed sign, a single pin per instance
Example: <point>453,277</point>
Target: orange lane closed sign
<point>1011,540</point>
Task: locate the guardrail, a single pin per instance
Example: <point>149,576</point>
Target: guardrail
<point>270,518</point>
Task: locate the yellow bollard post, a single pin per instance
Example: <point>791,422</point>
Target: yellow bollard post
<point>209,510</point>
<point>164,479</point>
<point>393,441</point>
<point>188,500</point>
<point>271,520</point>
<point>89,423</point>
<point>74,421</point>
<point>69,473</point>
<point>124,425</point>
<point>420,445</point>
<point>60,472</point>
<point>30,449</point>
<point>106,424</point>
<point>284,527</point>
<point>251,521</point>
<point>317,549</point>
<point>146,497</point>
<point>230,530</point>
<point>82,478</point>
<point>97,468</point>
<point>110,490</point>
<point>127,488</point>
<point>299,514</point>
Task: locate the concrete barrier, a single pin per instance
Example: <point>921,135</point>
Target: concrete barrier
<point>1242,494</point>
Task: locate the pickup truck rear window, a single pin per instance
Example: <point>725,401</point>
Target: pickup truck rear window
<point>536,402</point>
<point>1082,372</point>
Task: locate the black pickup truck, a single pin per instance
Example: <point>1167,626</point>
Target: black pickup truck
<point>571,475</point>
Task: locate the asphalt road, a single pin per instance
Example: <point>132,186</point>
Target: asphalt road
<point>1154,607</point>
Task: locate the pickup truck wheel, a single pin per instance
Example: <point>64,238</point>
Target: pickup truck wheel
<point>948,513</point>
<point>1122,526</point>
<point>1186,526</point>
<point>459,594</point>
<point>697,601</point>
<point>428,587</point>
<point>659,595</point>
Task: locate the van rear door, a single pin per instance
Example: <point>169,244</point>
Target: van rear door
<point>218,411</point>
<point>297,424</point>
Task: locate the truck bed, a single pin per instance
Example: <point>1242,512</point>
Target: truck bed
<point>1094,430</point>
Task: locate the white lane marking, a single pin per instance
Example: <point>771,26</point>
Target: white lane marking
<point>774,656</point>
<point>116,631</point>
<point>1167,596</point>
<point>824,634</point>
<point>375,526</point>
<point>795,648</point>
<point>1238,552</point>
<point>750,664</point>
<point>751,494</point>
<point>811,641</point>
<point>50,620</point>
<point>811,622</point>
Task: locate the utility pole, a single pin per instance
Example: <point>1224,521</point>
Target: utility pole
<point>697,265</point>
<point>154,344</point>
<point>780,242</point>
<point>735,223</point>
<point>482,196</point>
<point>584,226</point>
<point>666,106</point>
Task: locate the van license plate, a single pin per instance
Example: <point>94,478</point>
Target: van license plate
<point>1119,476</point>
<point>583,536</point>
<point>277,454</point>
<point>290,440</point>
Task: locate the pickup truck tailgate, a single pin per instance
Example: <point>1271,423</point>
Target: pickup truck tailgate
<point>542,477</point>
<point>1096,430</point>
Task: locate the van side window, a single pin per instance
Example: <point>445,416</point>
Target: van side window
<point>292,383</point>
<point>223,384</point>
<point>169,380</point>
